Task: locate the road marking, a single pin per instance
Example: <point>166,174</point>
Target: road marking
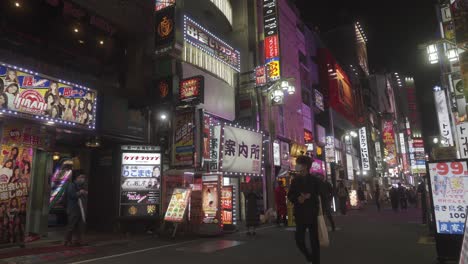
<point>148,249</point>
<point>133,252</point>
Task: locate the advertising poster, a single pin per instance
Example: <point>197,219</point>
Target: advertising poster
<point>26,135</point>
<point>242,151</point>
<point>227,205</point>
<point>177,205</point>
<point>317,167</point>
<point>183,139</point>
<point>161,4</point>
<point>329,152</point>
<point>210,201</point>
<point>260,76</point>
<point>449,184</point>
<point>34,95</point>
<point>273,69</point>
<point>388,137</point>
<point>206,41</point>
<point>15,178</point>
<point>140,188</point>
<point>165,29</point>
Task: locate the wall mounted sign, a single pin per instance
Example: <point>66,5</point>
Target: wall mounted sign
<point>271,47</point>
<point>41,97</point>
<point>319,100</point>
<point>161,4</point>
<point>191,90</point>
<point>183,147</point>
<point>165,29</point>
<point>164,90</point>
<point>260,75</point>
<point>364,149</point>
<point>201,38</point>
<point>272,40</point>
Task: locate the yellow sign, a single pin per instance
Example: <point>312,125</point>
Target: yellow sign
<point>273,67</point>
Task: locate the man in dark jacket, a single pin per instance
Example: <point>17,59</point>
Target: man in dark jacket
<point>304,193</point>
<point>75,195</point>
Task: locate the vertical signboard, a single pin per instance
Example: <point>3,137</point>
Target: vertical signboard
<point>462,140</point>
<point>165,29</point>
<point>272,42</point>
<point>378,156</point>
<point>140,181</point>
<point>448,189</point>
<point>364,149</point>
<point>329,152</point>
<point>443,116</point>
<point>183,147</point>
<point>404,152</point>
<point>276,154</point>
<point>388,137</point>
<point>227,205</point>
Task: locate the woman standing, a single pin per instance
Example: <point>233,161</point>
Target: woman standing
<point>11,92</point>
<point>252,215</point>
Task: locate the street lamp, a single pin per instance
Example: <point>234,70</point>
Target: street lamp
<point>163,116</point>
<point>435,140</point>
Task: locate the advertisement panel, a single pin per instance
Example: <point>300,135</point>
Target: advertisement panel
<point>404,155</point>
<point>165,29</point>
<point>41,97</point>
<point>378,156</point>
<point>329,152</point>
<point>317,167</point>
<point>271,47</point>
<point>161,4</point>
<point>177,205</point>
<point>242,151</point>
<point>448,190</point>
<point>140,178</point>
<point>273,69</point>
<point>364,149</point>
<point>183,139</point>
<point>227,205</point>
<point>211,44</point>
<point>270,18</point>
<point>210,200</point>
<point>191,90</point>
<point>443,116</point>
<point>260,76</point>
<point>319,100</point>
<point>276,154</point>
<point>26,135</point>
<point>388,137</point>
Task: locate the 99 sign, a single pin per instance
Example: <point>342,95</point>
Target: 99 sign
<point>453,168</point>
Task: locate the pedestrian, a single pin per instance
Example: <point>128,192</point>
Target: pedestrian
<point>252,214</point>
<point>326,192</point>
<point>377,196</point>
<point>281,208</point>
<point>394,198</point>
<point>403,196</point>
<point>361,196</point>
<point>76,197</point>
<point>304,194</point>
<point>343,196</point>
<point>422,194</point>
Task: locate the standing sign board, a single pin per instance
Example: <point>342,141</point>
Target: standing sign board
<point>448,189</point>
<point>140,181</point>
<point>178,205</point>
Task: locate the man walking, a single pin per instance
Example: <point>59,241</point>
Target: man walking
<point>281,208</point>
<point>304,194</point>
<point>76,195</point>
<point>377,196</point>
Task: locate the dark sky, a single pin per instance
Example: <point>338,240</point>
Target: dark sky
<point>394,30</point>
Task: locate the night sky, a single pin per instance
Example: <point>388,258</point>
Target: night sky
<point>394,30</point>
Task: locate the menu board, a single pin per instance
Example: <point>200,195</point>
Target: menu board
<point>177,206</point>
<point>448,182</point>
<point>227,205</point>
<point>140,183</point>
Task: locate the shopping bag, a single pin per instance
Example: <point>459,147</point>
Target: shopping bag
<point>322,228</point>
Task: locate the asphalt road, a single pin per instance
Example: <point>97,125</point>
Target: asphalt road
<point>364,237</point>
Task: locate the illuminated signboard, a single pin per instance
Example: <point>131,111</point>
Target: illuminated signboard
<point>329,152</point>
<point>308,137</point>
<point>462,139</point>
<point>140,183</point>
<point>364,149</point>
<point>448,189</point>
<point>227,205</point>
<point>242,151</point>
<point>201,38</point>
<point>37,96</point>
<point>191,89</point>
<point>444,119</point>
<point>165,29</point>
<point>389,142</point>
<point>260,76</point>
<point>271,43</point>
<point>276,154</point>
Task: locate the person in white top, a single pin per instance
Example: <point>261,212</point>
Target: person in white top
<point>11,91</point>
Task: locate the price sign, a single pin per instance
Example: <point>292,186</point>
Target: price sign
<point>449,186</point>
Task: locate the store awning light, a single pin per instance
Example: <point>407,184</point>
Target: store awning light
<point>432,54</point>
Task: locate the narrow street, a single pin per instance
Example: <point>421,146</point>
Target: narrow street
<point>364,237</point>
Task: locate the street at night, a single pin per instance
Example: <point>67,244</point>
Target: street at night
<point>231,131</point>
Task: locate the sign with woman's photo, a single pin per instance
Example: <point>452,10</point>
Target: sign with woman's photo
<point>30,93</point>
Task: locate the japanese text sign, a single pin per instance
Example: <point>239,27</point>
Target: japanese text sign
<point>260,76</point>
<point>462,134</point>
<point>449,184</point>
<point>242,152</point>
<point>177,206</point>
<point>271,47</point>
<point>444,119</point>
<point>141,159</point>
<point>388,137</point>
<point>227,205</point>
<point>364,149</point>
<point>204,40</point>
